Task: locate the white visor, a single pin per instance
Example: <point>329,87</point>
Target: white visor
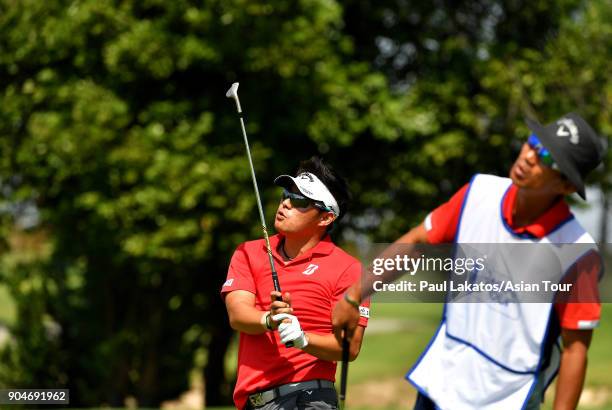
<point>311,187</point>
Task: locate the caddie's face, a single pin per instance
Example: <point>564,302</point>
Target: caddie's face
<point>305,221</point>
<point>528,172</point>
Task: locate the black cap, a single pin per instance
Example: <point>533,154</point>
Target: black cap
<point>575,147</point>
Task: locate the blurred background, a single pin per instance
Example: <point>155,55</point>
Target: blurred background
<point>124,185</point>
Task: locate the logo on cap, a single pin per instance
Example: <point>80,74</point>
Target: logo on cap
<point>306,177</point>
<point>568,128</point>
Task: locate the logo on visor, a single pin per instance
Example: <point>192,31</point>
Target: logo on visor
<point>306,175</point>
<point>306,191</point>
<point>310,269</point>
<point>567,128</point>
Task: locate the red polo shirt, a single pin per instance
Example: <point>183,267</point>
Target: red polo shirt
<point>316,280</point>
<point>441,225</point>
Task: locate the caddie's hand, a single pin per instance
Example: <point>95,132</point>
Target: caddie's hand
<point>291,331</point>
<point>278,307</point>
<point>345,315</point>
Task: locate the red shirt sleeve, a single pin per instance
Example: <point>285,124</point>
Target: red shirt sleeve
<point>239,276</point>
<point>441,223</point>
<point>582,309</point>
<point>350,276</point>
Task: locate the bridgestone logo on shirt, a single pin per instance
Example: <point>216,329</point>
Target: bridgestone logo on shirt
<point>310,269</point>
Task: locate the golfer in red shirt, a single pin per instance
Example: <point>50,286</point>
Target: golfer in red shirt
<point>314,274</point>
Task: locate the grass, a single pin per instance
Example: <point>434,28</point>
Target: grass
<point>391,354</point>
<point>600,354</point>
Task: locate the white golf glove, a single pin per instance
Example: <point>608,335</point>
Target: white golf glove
<point>292,331</point>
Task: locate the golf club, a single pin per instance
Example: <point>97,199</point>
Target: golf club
<point>233,93</point>
<point>344,370</point>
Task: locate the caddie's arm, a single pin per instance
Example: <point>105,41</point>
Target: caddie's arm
<point>246,318</point>
<point>326,347</point>
<point>573,367</point>
<point>345,315</point>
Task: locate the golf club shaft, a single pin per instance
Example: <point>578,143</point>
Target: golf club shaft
<point>344,370</point>
<point>260,208</point>
<point>233,93</point>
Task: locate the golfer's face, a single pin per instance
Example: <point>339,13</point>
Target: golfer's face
<point>529,172</point>
<point>293,220</point>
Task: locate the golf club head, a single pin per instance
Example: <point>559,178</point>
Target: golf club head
<point>233,93</point>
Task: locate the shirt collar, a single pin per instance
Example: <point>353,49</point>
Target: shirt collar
<point>544,224</point>
<point>324,247</point>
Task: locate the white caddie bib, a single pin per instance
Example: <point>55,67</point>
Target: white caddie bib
<point>488,355</point>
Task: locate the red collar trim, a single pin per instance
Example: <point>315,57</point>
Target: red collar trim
<point>542,226</point>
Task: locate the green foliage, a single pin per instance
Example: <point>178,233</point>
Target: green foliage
<point>114,126</point>
<point>467,74</point>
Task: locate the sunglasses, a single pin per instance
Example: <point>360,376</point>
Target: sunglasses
<point>543,154</point>
<point>302,202</point>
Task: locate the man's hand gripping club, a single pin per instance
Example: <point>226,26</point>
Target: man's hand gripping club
<point>281,318</point>
<point>291,331</point>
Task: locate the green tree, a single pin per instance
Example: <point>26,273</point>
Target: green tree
<point>115,125</point>
<point>576,72</point>
<point>115,134</point>
<point>471,71</point>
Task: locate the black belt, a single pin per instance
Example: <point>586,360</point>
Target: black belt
<point>263,397</point>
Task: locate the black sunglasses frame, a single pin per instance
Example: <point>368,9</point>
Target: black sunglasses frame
<point>299,197</point>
